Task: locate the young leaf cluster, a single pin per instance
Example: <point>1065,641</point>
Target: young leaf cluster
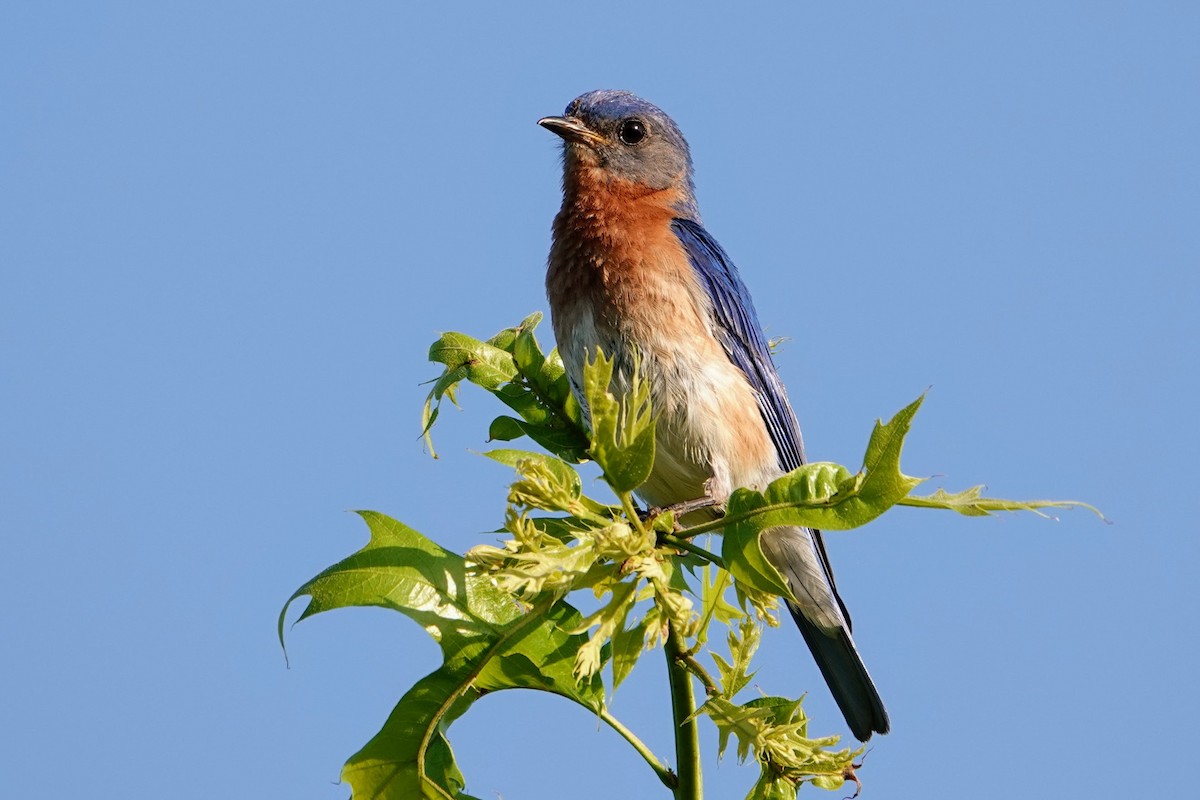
<point>512,366</point>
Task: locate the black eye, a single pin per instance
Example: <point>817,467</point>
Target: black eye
<point>631,131</point>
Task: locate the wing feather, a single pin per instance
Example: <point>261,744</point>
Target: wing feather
<point>737,328</point>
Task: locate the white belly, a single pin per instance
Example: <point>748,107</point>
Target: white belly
<point>711,437</point>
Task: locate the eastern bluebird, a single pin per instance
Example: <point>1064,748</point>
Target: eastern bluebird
<point>632,270</point>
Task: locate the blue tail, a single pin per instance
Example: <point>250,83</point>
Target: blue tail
<point>847,677</point>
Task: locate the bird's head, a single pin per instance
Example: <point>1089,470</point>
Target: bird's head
<point>626,137</point>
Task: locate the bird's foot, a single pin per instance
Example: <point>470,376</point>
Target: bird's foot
<point>688,506</point>
<point>678,510</point>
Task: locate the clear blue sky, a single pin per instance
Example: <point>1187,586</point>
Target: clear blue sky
<point>229,231</point>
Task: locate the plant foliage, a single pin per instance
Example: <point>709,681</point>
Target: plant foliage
<point>501,614</point>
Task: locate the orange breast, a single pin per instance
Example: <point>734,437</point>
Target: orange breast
<point>615,251</point>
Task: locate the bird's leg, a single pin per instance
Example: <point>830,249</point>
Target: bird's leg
<point>678,510</point>
<point>688,506</point>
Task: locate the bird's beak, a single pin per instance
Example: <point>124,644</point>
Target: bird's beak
<point>571,129</point>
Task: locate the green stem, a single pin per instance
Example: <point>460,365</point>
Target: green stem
<point>684,544</point>
<point>631,511</point>
<point>687,733</point>
<point>718,590</point>
<point>663,772</point>
<point>707,527</point>
<point>693,666</point>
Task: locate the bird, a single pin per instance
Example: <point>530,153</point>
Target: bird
<point>633,272</point>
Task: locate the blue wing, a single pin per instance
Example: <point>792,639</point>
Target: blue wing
<point>743,340</point>
<point>746,345</point>
<point>742,337</point>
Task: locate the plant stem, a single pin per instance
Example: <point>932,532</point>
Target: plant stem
<point>631,511</point>
<point>718,589</point>
<point>663,772</point>
<point>693,666</point>
<point>684,544</point>
<point>687,734</point>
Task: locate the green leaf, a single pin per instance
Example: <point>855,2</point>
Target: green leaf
<point>507,338</point>
<point>972,503</point>
<point>543,657</point>
<point>512,366</point>
<point>564,442</point>
<point>526,351</point>
<point>562,528</point>
<point>402,570</point>
<point>775,730</point>
<point>828,497</point>
<point>530,406</point>
<point>486,365</point>
<point>386,767</point>
<point>505,429</point>
<point>771,786</point>
<point>627,646</point>
<point>551,484</point>
<point>743,643</point>
<point>743,556</point>
<point>487,641</point>
<point>561,478</point>
<point>742,722</point>
<point>622,429</point>
<point>713,605</point>
<point>884,484</point>
<point>466,358</point>
<point>789,751</point>
<point>608,619</point>
<point>529,654</point>
<point>819,495</point>
<point>552,382</point>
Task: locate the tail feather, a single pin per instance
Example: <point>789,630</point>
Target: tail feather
<point>847,676</point>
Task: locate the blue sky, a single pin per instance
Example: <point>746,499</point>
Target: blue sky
<point>229,231</point>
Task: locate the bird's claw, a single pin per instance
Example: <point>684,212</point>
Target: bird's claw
<point>678,509</point>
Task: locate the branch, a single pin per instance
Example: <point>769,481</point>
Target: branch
<point>693,666</point>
